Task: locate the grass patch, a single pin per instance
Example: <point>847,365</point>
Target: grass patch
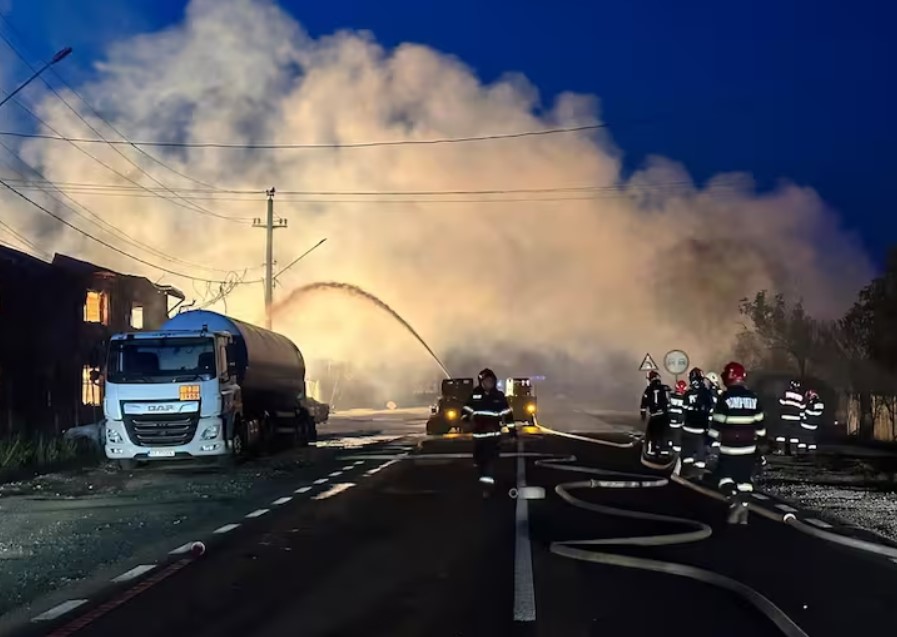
<point>37,452</point>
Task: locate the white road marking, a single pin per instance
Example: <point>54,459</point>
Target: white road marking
<point>257,513</point>
<point>137,571</point>
<point>320,481</point>
<point>358,462</point>
<point>785,507</point>
<point>819,523</point>
<point>184,548</point>
<point>302,490</point>
<point>335,473</point>
<point>282,500</point>
<point>227,528</point>
<point>349,467</point>
<point>334,490</point>
<point>59,610</point>
<point>760,496</point>
<point>524,587</point>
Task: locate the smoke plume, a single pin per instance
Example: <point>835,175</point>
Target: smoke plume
<point>581,281</point>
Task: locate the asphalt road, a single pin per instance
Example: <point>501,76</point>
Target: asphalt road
<point>403,543</point>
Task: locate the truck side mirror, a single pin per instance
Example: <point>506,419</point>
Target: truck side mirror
<point>94,376</point>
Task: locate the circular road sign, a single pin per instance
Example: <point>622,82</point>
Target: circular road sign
<point>676,361</point>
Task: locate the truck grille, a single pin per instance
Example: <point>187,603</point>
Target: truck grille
<point>161,431</point>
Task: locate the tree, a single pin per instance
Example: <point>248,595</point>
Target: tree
<point>779,333</point>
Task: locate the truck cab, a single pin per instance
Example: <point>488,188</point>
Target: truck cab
<point>445,415</point>
<point>521,395</point>
<point>170,395</point>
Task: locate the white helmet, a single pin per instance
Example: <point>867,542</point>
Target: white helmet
<point>713,377</point>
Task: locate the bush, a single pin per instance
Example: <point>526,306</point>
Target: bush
<point>36,452</point>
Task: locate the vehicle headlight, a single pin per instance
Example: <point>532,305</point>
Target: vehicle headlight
<point>210,432</point>
<point>531,408</point>
<point>113,436</point>
<point>451,414</point>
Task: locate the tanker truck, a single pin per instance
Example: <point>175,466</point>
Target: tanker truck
<point>205,386</point>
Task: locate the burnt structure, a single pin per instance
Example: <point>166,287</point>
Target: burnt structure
<point>55,320</point>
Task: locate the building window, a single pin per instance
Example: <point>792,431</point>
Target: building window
<point>137,316</point>
<point>96,307</point>
<point>90,393</point>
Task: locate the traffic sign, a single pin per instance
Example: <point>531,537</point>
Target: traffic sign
<point>648,364</point>
<point>676,362</point>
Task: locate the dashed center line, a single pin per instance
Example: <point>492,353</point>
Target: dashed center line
<point>819,523</point>
<point>59,610</point>
<point>301,490</point>
<point>760,496</point>
<point>257,513</point>
<point>282,500</point>
<point>227,528</point>
<point>137,571</point>
<point>786,508</point>
<point>349,467</point>
<point>335,473</point>
<point>320,481</point>
<point>181,549</point>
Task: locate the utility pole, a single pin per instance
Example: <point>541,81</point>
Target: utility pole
<point>270,225</point>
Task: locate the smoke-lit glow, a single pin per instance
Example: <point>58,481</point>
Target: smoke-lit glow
<point>593,282</point>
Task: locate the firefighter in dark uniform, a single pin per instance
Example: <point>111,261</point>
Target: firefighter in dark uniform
<point>655,413</point>
<point>488,410</point>
<point>677,415</point>
<point>813,409</point>
<point>698,407</point>
<point>792,414</point>
<point>738,424</point>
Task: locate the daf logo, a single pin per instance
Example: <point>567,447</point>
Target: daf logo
<point>159,407</point>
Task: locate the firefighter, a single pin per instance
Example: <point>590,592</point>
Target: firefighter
<point>677,415</point>
<point>713,382</point>
<point>792,414</point>
<point>488,409</point>
<point>698,407</point>
<point>813,408</point>
<point>738,424</point>
<point>655,413</point>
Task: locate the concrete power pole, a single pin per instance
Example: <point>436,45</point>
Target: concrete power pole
<point>270,225</point>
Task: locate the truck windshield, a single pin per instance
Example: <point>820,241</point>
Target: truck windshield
<point>161,360</point>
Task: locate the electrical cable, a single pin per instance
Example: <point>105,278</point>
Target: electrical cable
<point>110,246</point>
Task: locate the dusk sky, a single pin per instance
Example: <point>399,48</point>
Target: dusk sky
<point>799,90</point>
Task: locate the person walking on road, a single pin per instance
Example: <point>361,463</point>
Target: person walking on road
<point>488,409</point>
<point>809,425</point>
<point>677,416</point>
<point>698,406</point>
<point>655,412</point>
<point>792,414</point>
<point>738,424</point>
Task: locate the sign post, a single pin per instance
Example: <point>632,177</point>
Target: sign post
<point>648,364</point>
<point>675,362</point>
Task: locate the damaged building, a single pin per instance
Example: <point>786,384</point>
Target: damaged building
<point>56,319</point>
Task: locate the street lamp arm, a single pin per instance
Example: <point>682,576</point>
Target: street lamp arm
<point>300,257</point>
<point>60,55</point>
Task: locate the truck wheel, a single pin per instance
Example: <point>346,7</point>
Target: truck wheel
<point>437,427</point>
<point>127,465</point>
<point>238,450</point>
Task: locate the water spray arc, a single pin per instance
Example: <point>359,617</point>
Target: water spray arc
<point>354,290</point>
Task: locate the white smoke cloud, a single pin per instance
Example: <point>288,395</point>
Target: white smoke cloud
<point>588,277</point>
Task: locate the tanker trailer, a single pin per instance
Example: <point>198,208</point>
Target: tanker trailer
<point>205,386</point>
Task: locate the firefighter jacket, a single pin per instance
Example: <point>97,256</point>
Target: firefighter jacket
<point>812,414</point>
<point>792,407</point>
<point>655,400</point>
<point>677,410</point>
<point>698,407</point>
<point>488,411</point>
<point>737,422</point>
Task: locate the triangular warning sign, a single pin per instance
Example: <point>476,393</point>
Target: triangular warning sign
<point>648,364</point>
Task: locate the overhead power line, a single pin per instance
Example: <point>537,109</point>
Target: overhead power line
<point>105,244</point>
<point>333,146</point>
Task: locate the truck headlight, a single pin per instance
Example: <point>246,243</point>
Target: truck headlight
<point>113,436</point>
<point>531,408</point>
<point>451,414</point>
<point>211,432</point>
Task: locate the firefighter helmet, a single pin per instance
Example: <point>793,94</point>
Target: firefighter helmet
<point>487,373</point>
<point>713,377</point>
<point>681,386</point>
<point>696,374</point>
<point>653,375</point>
<point>795,385</point>
<point>811,394</point>
<point>734,373</point>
